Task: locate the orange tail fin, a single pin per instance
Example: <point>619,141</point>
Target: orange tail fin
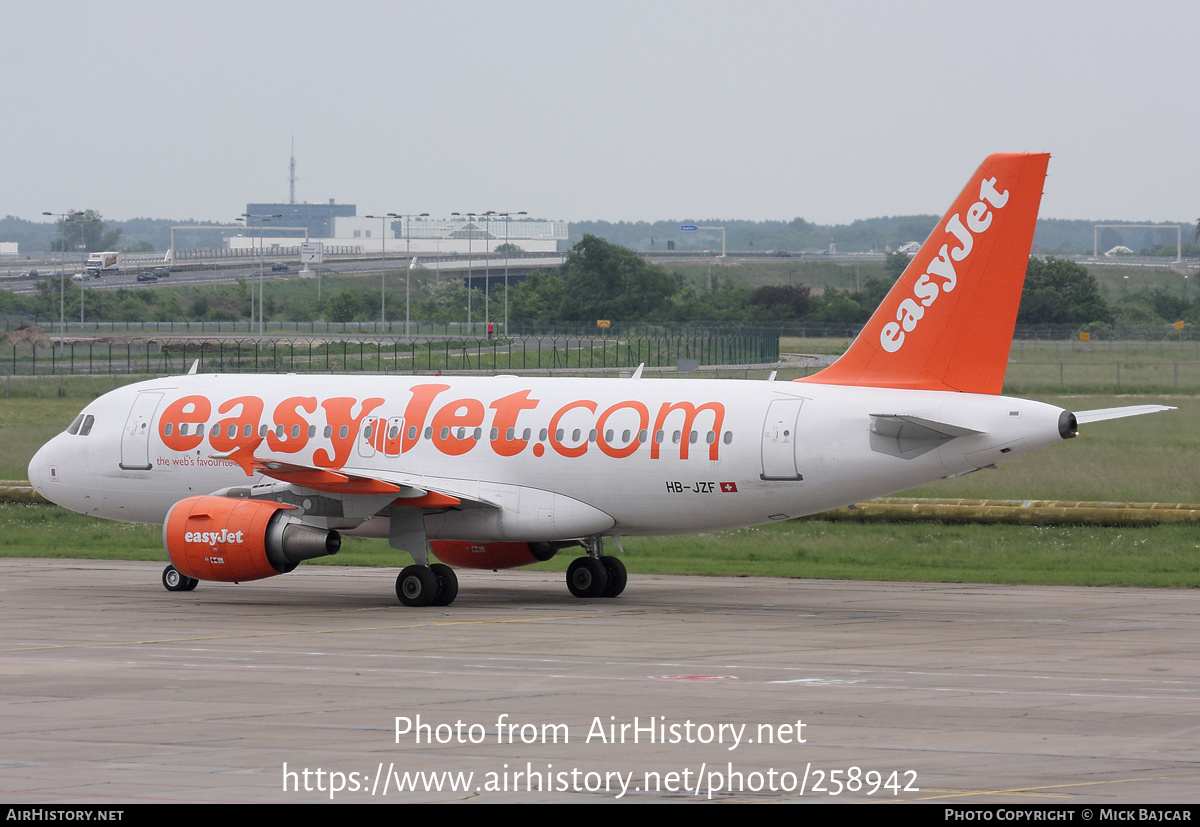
<point>947,324</point>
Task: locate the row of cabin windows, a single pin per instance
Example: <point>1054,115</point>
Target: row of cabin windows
<point>84,426</point>
<point>231,430</point>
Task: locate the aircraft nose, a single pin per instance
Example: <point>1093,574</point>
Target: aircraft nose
<point>43,469</point>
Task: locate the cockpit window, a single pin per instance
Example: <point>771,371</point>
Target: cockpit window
<point>81,425</point>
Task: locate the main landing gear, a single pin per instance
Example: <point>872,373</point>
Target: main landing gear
<point>174,580</point>
<point>596,575</point>
<point>434,585</point>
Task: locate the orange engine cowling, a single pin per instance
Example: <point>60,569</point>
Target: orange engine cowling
<point>493,555</point>
<point>218,538</point>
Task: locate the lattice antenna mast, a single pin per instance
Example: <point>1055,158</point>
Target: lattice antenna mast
<point>292,174</point>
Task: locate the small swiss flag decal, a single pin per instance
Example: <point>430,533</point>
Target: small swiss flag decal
<point>729,488</point>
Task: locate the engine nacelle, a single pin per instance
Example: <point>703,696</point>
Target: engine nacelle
<point>498,555</point>
<point>218,538</point>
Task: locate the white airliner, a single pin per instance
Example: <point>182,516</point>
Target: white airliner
<point>250,475</point>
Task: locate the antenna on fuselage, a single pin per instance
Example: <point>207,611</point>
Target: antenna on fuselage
<point>637,374</point>
<point>192,369</point>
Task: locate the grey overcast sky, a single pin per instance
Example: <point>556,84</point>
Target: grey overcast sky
<point>755,109</point>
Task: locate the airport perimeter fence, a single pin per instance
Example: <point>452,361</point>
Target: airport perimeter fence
<point>392,327</point>
<point>1110,336</point>
<point>244,327</point>
<point>384,355</point>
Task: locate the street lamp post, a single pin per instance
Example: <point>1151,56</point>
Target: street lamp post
<point>261,219</point>
<point>383,266</point>
<point>62,285</point>
<point>470,238</point>
<point>507,216</point>
<point>82,269</point>
<point>487,272</point>
<point>408,217</point>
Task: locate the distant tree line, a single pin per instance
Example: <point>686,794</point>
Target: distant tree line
<point>1052,236</point>
<point>601,280</point>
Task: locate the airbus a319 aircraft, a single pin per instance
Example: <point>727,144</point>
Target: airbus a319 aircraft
<point>251,475</point>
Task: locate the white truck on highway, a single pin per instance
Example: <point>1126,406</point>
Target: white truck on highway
<point>107,262</point>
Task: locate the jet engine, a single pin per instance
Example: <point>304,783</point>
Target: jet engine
<point>468,555</point>
<point>217,538</point>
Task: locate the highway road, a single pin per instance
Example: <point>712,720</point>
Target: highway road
<point>455,267</point>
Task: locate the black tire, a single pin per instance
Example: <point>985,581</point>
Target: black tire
<point>586,577</point>
<point>447,584</point>
<point>617,576</point>
<point>416,586</point>
<point>191,584</point>
<point>174,580</point>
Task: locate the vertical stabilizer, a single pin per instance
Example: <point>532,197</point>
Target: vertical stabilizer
<point>947,324</point>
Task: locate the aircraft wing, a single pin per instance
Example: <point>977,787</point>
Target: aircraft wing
<point>340,481</point>
<point>1101,414</point>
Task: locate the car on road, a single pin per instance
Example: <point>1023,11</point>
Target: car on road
<point>29,274</point>
<point>279,267</point>
<point>146,275</point>
<point>161,272</point>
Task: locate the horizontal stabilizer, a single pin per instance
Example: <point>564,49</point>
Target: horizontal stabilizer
<point>911,426</point>
<point>1101,414</point>
<point>908,437</point>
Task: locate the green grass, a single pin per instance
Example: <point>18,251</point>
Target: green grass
<point>752,273</point>
<point>822,346</point>
<point>1164,556</point>
<point>1116,280</point>
<point>40,530</point>
<point>1159,556</point>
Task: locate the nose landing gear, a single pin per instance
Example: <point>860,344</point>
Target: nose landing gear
<point>174,580</point>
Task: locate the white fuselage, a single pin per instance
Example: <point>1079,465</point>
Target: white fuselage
<point>536,458</point>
